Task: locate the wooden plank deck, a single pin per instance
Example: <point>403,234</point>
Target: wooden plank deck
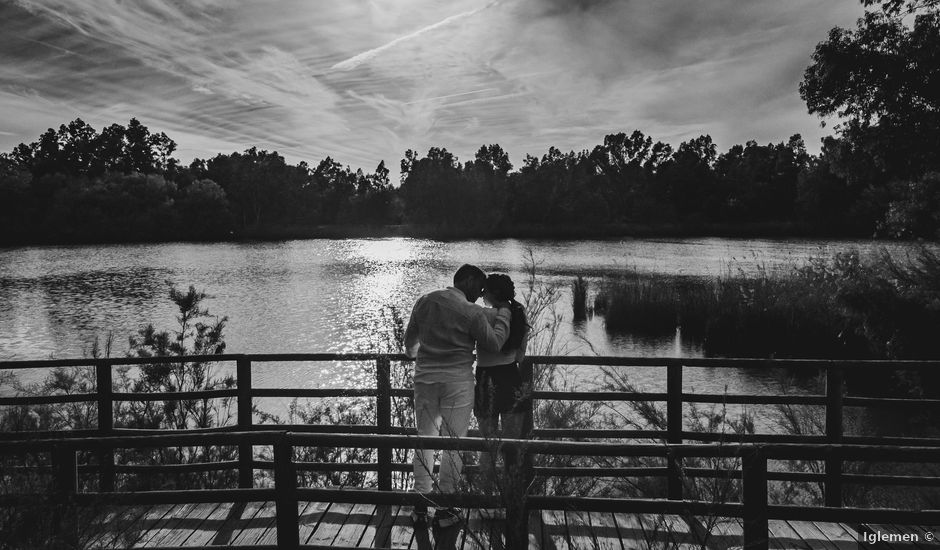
<point>341,525</point>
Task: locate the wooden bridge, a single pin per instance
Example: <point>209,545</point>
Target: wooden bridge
<point>277,511</point>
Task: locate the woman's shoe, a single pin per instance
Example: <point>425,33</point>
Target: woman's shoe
<point>419,520</point>
<point>447,517</point>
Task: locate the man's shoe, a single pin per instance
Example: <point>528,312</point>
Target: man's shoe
<point>447,517</point>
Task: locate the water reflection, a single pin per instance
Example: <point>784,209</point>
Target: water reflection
<point>378,275</point>
<point>75,307</point>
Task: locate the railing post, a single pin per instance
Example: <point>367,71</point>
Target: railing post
<point>285,486</point>
<point>104,390</point>
<point>245,450</point>
<point>65,471</point>
<point>754,499</point>
<point>834,391</point>
<point>516,530</point>
<point>522,474</point>
<point>383,418</point>
<point>64,488</point>
<point>674,427</point>
<point>527,372</point>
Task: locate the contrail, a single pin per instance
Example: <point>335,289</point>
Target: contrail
<point>361,58</point>
<point>450,95</point>
<point>54,47</point>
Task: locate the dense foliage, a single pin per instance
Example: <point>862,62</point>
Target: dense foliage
<point>883,80</point>
<point>77,184</point>
<point>628,181</point>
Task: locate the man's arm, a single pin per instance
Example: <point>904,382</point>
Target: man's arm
<point>411,332</point>
<point>490,338</point>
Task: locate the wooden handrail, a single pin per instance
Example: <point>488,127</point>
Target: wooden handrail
<point>543,471</point>
<point>833,447</point>
<point>612,361</point>
<point>783,451</point>
<point>541,433</point>
<point>754,508</point>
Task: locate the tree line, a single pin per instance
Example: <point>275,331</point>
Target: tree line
<point>122,183</point>
<point>878,174</point>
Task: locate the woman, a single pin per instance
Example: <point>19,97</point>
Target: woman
<point>500,398</point>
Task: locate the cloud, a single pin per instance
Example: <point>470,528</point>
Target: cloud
<point>152,57</point>
<point>670,69</point>
<point>363,81</point>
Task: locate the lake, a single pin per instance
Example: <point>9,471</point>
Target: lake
<point>324,295</point>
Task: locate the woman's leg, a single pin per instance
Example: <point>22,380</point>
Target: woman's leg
<point>512,429</point>
<point>428,422</point>
<point>489,430</point>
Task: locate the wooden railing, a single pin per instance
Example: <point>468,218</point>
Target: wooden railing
<point>834,447</point>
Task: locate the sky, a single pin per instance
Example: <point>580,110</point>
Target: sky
<point>364,80</point>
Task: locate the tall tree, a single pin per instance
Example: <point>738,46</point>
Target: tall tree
<point>336,185</point>
<point>689,180</point>
<point>432,187</point>
<point>628,164</point>
<point>260,186</point>
<point>374,199</point>
<point>900,7</point>
<point>485,187</point>
<point>16,205</point>
<point>110,149</point>
<point>884,79</point>
<point>78,143</point>
<point>759,182</point>
<point>145,152</point>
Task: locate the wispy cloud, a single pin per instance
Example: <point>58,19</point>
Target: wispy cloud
<point>365,56</point>
<point>353,81</point>
<point>449,96</point>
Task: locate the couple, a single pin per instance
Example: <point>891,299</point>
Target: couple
<point>445,327</point>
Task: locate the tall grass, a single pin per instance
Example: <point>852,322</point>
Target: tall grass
<point>829,308</point>
<point>648,305</point>
<point>741,315</point>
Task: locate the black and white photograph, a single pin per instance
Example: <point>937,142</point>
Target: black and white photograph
<point>470,274</point>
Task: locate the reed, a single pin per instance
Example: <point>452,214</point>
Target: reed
<point>655,305</point>
<point>739,316</point>
<point>579,290</point>
<point>829,308</point>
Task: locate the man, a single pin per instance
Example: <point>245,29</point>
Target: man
<point>445,326</point>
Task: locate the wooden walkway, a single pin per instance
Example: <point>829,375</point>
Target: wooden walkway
<point>370,526</point>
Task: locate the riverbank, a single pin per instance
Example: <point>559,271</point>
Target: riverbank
<point>771,230</point>
<point>531,231</point>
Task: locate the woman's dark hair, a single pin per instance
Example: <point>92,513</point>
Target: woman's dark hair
<point>503,290</point>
